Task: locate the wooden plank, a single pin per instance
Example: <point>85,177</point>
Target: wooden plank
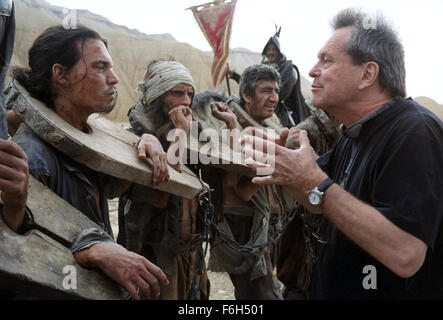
<point>35,261</point>
<point>55,216</point>
<point>97,150</point>
<point>105,125</point>
<point>224,158</point>
<point>34,264</point>
<point>228,160</point>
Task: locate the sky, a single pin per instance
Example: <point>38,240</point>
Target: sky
<point>305,29</point>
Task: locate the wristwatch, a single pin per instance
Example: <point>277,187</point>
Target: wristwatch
<point>315,196</point>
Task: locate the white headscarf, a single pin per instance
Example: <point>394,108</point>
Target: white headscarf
<point>162,76</point>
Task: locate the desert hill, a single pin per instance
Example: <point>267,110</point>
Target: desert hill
<point>132,50</point>
<point>431,105</point>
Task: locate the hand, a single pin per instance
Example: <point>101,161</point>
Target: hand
<point>221,112</point>
<point>295,169</point>
<point>181,117</point>
<point>149,144</point>
<point>293,141</point>
<point>127,268</point>
<point>14,180</point>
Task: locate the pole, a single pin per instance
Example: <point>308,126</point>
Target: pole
<point>227,80</point>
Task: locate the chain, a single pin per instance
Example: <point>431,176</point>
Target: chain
<point>206,213</point>
<point>311,235</point>
<point>256,249</point>
<point>205,205</point>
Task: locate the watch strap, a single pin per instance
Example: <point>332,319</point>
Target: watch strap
<point>325,185</point>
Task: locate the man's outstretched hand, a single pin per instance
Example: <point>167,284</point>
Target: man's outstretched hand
<point>140,277</point>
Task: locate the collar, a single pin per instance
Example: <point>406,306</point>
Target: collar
<point>353,130</point>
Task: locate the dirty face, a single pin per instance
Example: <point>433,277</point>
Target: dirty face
<point>92,80</point>
<point>262,105</point>
<point>181,95</point>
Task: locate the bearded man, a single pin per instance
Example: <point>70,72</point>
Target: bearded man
<point>250,211</point>
<point>158,225</point>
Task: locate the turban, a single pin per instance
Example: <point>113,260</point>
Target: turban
<point>161,77</point>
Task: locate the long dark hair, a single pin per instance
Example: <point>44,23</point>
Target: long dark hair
<point>56,45</point>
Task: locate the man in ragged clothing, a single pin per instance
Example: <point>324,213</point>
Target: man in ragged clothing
<point>158,225</point>
<point>250,212</point>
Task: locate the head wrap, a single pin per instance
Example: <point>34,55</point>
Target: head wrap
<point>162,76</point>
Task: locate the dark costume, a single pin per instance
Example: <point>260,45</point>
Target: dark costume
<point>395,165</point>
<point>7,36</point>
<point>292,108</point>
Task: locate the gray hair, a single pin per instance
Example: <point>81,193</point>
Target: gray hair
<point>254,74</point>
<point>374,39</point>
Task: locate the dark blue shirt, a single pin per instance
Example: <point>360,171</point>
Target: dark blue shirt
<point>398,169</point>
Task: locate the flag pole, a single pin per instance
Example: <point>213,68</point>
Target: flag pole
<point>227,80</point>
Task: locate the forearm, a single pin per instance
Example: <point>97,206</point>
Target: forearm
<point>88,246</point>
<point>83,258</point>
<point>90,257</point>
<point>398,250</point>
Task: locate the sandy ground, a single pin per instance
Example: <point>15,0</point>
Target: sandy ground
<point>221,285</point>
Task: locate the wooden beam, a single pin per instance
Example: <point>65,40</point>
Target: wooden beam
<point>99,150</point>
<point>34,263</point>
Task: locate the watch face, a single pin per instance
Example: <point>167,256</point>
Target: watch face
<point>314,198</point>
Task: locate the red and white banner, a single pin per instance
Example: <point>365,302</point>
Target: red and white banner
<point>215,20</point>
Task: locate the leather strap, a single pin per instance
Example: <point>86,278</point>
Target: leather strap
<point>325,185</point>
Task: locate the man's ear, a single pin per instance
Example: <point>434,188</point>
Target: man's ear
<point>59,74</point>
<point>245,97</point>
<point>370,72</point>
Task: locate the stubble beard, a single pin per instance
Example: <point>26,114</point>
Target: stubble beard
<point>111,107</point>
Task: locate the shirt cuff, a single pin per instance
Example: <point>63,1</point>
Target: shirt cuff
<point>88,237</point>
